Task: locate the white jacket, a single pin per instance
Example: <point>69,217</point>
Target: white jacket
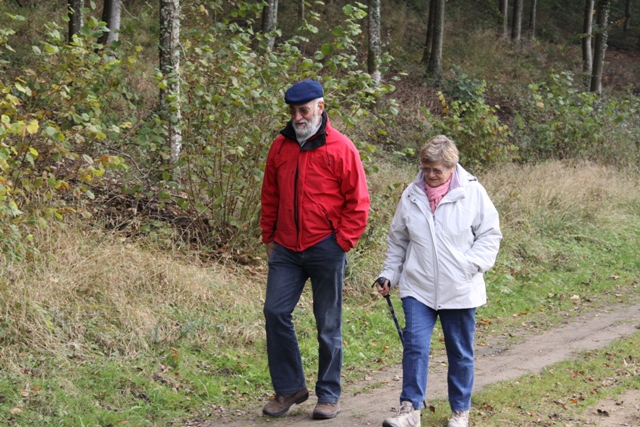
<point>440,258</point>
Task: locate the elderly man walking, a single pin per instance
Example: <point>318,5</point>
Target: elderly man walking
<point>315,205</point>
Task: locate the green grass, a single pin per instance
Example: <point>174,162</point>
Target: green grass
<point>558,396</point>
<point>99,329</point>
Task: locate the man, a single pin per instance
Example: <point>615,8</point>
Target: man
<point>315,205</point>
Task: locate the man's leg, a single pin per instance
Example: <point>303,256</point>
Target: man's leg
<point>285,283</point>
<point>325,263</point>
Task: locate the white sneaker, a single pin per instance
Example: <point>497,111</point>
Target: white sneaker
<point>407,417</point>
<point>459,419</point>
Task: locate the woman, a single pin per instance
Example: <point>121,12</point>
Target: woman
<point>444,236</point>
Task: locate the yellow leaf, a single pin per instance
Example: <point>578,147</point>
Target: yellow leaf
<point>32,127</point>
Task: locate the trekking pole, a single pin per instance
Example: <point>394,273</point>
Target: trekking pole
<point>380,281</point>
<point>395,318</point>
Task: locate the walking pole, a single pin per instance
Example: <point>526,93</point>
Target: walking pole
<point>395,318</point>
<point>380,281</point>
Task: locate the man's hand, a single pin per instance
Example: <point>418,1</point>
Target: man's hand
<point>383,286</point>
<point>270,247</point>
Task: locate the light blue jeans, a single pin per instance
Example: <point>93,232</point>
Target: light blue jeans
<point>459,328</point>
<point>324,264</point>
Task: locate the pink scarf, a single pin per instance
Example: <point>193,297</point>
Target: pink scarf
<point>435,194</point>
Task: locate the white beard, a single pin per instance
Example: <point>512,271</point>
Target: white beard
<point>306,132</point>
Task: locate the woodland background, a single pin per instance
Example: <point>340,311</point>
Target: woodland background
<point>133,136</point>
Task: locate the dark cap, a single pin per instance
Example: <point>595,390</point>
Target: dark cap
<point>303,92</point>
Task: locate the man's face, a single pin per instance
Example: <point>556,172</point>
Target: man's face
<point>306,117</point>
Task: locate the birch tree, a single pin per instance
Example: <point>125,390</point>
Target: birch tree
<point>435,59</point>
<point>516,22</point>
<point>373,52</point>
<point>111,16</point>
<point>587,34</point>
<point>602,21</point>
<point>504,12</point>
<point>170,68</point>
<point>270,21</point>
<point>76,20</point>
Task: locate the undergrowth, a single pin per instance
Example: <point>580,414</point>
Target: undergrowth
<point>129,333</point>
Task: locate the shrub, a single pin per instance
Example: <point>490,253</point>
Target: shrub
<point>562,121</point>
<point>232,108</point>
<point>473,124</point>
<point>51,123</point>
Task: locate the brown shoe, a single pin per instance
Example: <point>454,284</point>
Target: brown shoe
<point>324,411</point>
<point>281,403</point>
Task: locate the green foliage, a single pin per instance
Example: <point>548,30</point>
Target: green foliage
<point>233,106</point>
<point>50,121</point>
<point>474,125</point>
<point>562,121</point>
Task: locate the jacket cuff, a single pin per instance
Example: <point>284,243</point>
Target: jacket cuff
<point>344,244</point>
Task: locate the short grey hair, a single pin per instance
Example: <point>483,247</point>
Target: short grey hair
<point>440,148</point>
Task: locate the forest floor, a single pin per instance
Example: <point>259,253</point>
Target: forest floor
<point>375,398</point>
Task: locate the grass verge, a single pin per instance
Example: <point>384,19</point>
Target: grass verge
<point>559,396</point>
<point>96,329</point>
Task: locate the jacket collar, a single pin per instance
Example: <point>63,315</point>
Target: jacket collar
<point>459,181</point>
<point>316,141</point>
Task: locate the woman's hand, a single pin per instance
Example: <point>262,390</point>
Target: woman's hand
<point>384,287</point>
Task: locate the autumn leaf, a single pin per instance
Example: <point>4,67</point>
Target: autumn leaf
<point>32,127</point>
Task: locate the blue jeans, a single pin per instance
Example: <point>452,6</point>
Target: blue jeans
<point>324,264</point>
<point>459,328</point>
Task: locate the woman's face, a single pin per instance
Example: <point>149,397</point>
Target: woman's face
<point>436,174</point>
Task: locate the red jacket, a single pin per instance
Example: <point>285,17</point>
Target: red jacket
<point>312,192</point>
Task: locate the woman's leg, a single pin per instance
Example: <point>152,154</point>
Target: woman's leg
<point>420,320</point>
<point>459,328</point>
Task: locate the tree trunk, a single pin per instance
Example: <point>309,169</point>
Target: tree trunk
<point>170,69</point>
<point>373,53</point>
<point>532,19</point>
<point>602,20</point>
<point>504,11</point>
<point>270,21</point>
<point>587,30</point>
<point>435,60</point>
<point>111,16</point>
<point>76,20</point>
<point>627,16</point>
<point>516,29</point>
<point>302,10</point>
<point>426,54</point>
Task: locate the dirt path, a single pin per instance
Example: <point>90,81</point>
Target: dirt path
<point>494,362</point>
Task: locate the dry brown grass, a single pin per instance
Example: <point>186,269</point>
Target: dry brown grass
<point>555,187</point>
<point>89,291</point>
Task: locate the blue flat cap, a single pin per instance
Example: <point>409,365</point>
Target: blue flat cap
<point>303,92</point>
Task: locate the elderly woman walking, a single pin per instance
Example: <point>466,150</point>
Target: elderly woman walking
<point>444,236</point>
